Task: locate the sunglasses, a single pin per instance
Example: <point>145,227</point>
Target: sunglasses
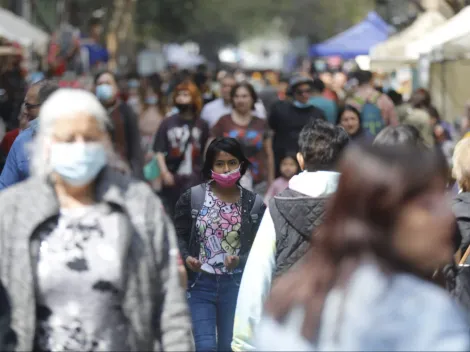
<point>302,91</point>
<point>29,106</point>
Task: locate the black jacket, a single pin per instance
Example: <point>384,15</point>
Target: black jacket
<point>286,121</point>
<point>295,216</point>
<point>133,141</point>
<point>183,226</point>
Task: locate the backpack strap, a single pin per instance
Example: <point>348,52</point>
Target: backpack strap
<point>254,213</point>
<point>374,98</point>
<point>198,195</point>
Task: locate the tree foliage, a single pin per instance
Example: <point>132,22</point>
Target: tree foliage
<point>214,23</point>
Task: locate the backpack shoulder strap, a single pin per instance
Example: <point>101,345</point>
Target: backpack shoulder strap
<point>256,208</point>
<point>198,194</point>
<point>374,98</point>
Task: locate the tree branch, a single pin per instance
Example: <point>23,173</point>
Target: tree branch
<point>455,5</point>
<point>39,17</point>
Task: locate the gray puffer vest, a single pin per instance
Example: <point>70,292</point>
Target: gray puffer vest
<point>296,216</point>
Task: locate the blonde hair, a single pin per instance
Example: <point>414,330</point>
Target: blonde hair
<point>461,164</point>
<point>65,103</point>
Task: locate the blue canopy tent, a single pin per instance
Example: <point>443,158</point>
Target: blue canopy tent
<point>356,40</point>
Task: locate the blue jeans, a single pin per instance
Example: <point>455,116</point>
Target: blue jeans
<point>212,300</point>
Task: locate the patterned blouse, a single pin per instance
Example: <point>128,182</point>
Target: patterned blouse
<point>218,225</point>
<point>80,284</point>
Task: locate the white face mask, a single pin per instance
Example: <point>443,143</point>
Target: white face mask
<point>78,163</point>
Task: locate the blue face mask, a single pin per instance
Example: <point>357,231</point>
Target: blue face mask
<point>78,164</point>
<point>34,124</point>
<point>301,105</point>
<point>104,92</point>
<point>152,100</point>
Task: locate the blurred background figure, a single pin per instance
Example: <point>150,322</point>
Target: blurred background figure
<point>376,108</point>
<point>124,128</point>
<point>179,145</point>
<point>318,100</point>
<point>288,117</point>
<point>213,111</point>
<point>387,228</point>
<point>289,167</point>
<point>253,133</point>
<point>17,164</point>
<point>402,135</point>
<point>350,119</point>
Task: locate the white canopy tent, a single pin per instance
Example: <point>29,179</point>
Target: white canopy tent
<point>456,27</point>
<point>17,29</point>
<point>391,54</point>
<point>457,48</point>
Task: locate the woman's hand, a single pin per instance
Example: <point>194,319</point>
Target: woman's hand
<point>231,261</point>
<point>168,179</point>
<point>193,264</point>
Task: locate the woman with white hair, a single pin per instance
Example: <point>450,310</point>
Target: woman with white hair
<point>87,255</point>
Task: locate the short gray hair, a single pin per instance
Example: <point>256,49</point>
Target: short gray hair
<point>63,103</point>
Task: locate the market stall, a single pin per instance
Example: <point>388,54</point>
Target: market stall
<point>356,40</point>
<point>15,28</point>
<point>392,54</point>
<point>453,29</point>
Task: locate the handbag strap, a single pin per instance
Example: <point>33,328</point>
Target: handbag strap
<point>465,256</point>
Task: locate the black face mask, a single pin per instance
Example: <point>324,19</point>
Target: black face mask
<point>184,107</point>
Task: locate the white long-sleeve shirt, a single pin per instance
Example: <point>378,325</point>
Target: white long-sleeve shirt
<point>257,277</point>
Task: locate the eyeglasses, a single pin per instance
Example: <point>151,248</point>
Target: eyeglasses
<point>29,106</point>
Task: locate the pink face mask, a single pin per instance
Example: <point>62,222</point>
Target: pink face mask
<point>227,180</point>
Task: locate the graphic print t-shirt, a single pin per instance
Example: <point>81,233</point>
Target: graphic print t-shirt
<point>218,225</point>
<point>173,136</point>
<point>251,136</point>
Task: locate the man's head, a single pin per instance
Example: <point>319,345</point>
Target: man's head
<point>95,27</point>
<point>363,77</point>
<point>31,103</point>
<point>301,88</point>
<point>320,145</point>
<point>46,89</point>
<point>227,84</point>
<point>36,96</point>
<point>318,86</point>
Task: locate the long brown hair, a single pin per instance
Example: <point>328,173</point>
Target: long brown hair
<point>375,183</point>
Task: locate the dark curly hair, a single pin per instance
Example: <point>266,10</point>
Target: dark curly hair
<point>321,144</point>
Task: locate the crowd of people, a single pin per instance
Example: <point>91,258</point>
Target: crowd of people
<point>177,213</point>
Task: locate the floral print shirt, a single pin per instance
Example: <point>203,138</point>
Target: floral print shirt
<point>218,225</point>
<point>80,283</point>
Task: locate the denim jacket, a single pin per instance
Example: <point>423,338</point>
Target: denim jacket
<point>16,167</point>
<point>398,312</point>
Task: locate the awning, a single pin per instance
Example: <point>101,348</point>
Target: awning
<point>356,40</point>
<point>392,53</point>
<point>454,28</point>
<point>17,29</point>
